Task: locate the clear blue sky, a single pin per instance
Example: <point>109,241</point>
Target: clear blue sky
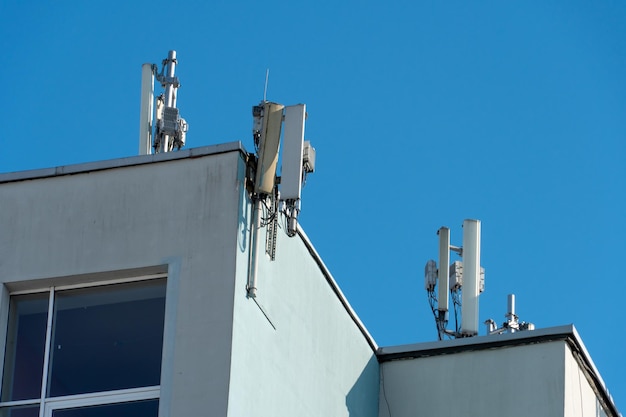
<point>422,115</point>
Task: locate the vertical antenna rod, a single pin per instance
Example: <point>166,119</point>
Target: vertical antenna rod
<point>510,305</point>
<point>267,76</point>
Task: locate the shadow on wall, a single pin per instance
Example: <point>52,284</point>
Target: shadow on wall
<point>362,400</point>
<point>244,204</point>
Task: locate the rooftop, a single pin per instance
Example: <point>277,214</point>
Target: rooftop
<point>566,333</point>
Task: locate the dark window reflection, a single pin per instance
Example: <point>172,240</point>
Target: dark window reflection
<point>137,409</point>
<point>107,338</point>
<point>24,354</point>
<point>21,411</point>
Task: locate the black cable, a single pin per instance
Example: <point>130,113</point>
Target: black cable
<point>456,301</point>
<point>432,301</point>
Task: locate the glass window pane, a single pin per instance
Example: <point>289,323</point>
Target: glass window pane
<point>20,411</point>
<point>107,338</point>
<point>25,345</point>
<point>141,408</point>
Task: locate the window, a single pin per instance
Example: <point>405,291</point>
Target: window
<point>87,352</point>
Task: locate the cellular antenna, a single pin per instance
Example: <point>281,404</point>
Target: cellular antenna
<point>461,281</point>
<point>170,130</point>
<point>276,197</point>
<point>471,277</point>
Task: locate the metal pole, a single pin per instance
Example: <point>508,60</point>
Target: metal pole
<point>170,91</point>
<point>254,248</point>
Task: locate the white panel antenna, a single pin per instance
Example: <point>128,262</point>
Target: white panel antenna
<point>292,166</point>
<point>146,113</point>
<point>293,152</point>
<point>442,273</point>
<point>297,157</point>
<point>471,276</point>
<point>268,135</point>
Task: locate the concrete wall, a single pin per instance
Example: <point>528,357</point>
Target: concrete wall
<point>178,217</point>
<point>296,350</point>
<point>516,381</point>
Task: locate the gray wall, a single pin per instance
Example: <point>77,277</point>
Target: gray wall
<point>518,381</point>
<point>296,350</point>
<point>179,217</point>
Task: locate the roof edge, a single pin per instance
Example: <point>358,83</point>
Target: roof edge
<point>581,355</point>
<point>419,350</point>
<point>335,287</point>
<point>566,333</point>
<point>120,162</point>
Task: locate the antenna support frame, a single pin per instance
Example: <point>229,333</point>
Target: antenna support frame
<point>170,130</point>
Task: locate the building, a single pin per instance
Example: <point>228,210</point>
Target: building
<point>125,293</point>
<point>545,372</point>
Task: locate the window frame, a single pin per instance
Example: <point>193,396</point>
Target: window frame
<point>47,405</point>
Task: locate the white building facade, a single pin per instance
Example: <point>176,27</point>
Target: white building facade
<point>124,293</point>
<point>541,373</point>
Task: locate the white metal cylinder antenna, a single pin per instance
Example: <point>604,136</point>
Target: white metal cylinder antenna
<point>511,305</point>
<point>146,116</point>
<point>442,274</point>
<point>471,277</point>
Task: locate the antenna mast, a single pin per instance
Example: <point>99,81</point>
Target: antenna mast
<point>462,281</point>
<point>277,195</point>
<point>512,323</point>
<point>170,130</point>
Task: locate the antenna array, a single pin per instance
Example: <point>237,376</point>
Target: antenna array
<point>170,131</point>
<point>464,281</point>
<point>275,196</point>
<point>272,196</point>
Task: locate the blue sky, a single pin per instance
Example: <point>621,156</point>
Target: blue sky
<point>422,113</point>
